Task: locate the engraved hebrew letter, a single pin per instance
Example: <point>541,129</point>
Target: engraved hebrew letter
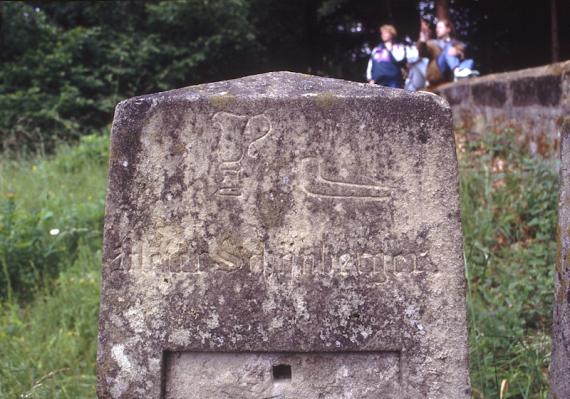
<point>237,133</point>
<point>365,264</point>
<point>118,258</point>
<point>136,257</point>
<point>308,265</point>
<point>380,268</point>
<point>191,264</point>
<point>226,261</point>
<point>231,126</point>
<point>404,263</point>
<point>313,183</point>
<point>256,264</point>
<point>257,128</point>
<point>346,262</point>
<point>287,264</point>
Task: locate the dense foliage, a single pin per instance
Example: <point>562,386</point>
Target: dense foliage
<point>66,65</point>
<point>51,220</point>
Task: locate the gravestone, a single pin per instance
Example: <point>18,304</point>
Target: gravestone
<point>560,365</point>
<point>283,236</point>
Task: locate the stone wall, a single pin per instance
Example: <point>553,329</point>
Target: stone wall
<point>532,102</point>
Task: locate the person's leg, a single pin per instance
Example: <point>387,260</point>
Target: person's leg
<point>417,75</point>
<point>442,64</point>
<point>452,62</point>
<point>467,63</point>
<point>409,83</point>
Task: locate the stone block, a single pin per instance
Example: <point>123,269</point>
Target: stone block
<point>489,94</point>
<point>283,235</point>
<point>545,90</point>
<point>456,94</point>
<point>560,364</point>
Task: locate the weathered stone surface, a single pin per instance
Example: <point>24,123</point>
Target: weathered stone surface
<point>362,375</point>
<point>458,93</point>
<point>560,365</point>
<point>283,219</point>
<point>543,90</point>
<point>490,94</point>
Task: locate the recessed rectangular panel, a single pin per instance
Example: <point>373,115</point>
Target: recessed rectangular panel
<point>283,375</point>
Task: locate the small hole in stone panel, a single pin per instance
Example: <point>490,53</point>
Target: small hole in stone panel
<point>281,372</point>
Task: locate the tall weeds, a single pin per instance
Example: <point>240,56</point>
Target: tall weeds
<point>508,203</point>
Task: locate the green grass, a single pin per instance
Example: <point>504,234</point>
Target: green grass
<point>50,283</point>
<point>50,252</point>
<point>508,203</point>
<point>48,348</point>
<point>47,205</point>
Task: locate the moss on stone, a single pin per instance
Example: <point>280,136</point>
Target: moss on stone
<point>326,100</point>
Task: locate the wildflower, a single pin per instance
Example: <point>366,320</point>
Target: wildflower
<point>54,232</point>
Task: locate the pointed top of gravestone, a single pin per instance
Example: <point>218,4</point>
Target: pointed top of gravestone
<point>285,84</point>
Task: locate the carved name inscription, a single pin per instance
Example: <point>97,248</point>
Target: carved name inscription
<point>305,263</point>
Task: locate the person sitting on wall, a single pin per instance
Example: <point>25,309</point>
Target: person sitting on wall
<point>446,55</point>
<point>384,66</point>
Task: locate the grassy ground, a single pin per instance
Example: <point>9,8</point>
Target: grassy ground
<point>508,203</point>
<point>50,239</point>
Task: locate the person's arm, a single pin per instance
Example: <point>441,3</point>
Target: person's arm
<point>412,54</point>
<point>459,48</point>
<point>398,52</point>
<point>369,71</point>
<point>422,49</point>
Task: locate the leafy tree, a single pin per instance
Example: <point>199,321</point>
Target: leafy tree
<point>67,65</point>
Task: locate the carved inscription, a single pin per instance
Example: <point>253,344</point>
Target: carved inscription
<point>238,135</point>
<point>231,184</point>
<point>306,263</point>
<point>315,184</point>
